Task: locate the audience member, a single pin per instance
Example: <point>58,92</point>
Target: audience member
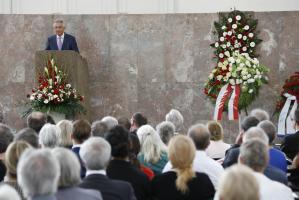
<point>174,116</point>
<point>166,131</point>
<point>254,154</point>
<point>65,134</point>
<point>111,122</point>
<point>99,129</point>
<point>124,122</point>
<point>137,121</point>
<point>6,137</point>
<point>217,147</point>
<point>153,152</point>
<point>38,174</point>
<point>260,114</point>
<point>28,135</point>
<point>182,182</point>
<point>200,136</point>
<point>120,167</point>
<point>50,120</point>
<point>48,136</point>
<point>70,178</point>
<point>95,153</point>
<point>36,120</point>
<point>8,193</point>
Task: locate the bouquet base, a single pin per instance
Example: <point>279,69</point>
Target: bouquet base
<point>57,117</point>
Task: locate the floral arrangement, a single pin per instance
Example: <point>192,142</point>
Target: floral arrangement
<point>237,63</point>
<point>291,87</point>
<point>53,93</point>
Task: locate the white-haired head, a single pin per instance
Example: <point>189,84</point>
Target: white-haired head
<point>65,133</point>
<point>260,114</point>
<point>152,146</point>
<point>111,122</point>
<point>38,173</point>
<point>8,193</point>
<point>174,116</point>
<point>256,133</point>
<point>69,167</point>
<point>95,153</point>
<point>48,136</point>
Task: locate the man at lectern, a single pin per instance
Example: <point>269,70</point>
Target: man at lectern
<point>61,40</point>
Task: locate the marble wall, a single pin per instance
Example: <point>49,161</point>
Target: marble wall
<point>146,63</point>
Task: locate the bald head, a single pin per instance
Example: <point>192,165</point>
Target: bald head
<point>36,120</point>
<point>200,135</point>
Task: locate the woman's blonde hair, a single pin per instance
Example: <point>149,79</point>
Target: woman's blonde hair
<point>235,181</point>
<point>181,152</point>
<point>64,136</point>
<point>215,130</point>
<point>12,155</point>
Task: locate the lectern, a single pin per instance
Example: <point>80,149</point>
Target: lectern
<point>75,67</point>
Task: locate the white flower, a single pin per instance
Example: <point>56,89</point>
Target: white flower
<point>236,45</point>
<point>258,72</point>
<point>221,55</point>
<point>68,85</point>
<point>248,75</point>
<point>238,17</point>
<point>228,44</point>
<point>250,91</point>
<point>223,46</point>
<point>32,98</point>
<point>239,81</point>
<point>244,37</point>
<point>214,71</point>
<point>238,61</point>
<point>231,59</point>
<point>232,81</point>
<point>234,26</point>
<point>230,68</point>
<point>229,33</point>
<point>220,64</point>
<point>244,49</point>
<point>52,61</point>
<point>221,39</point>
<point>248,63</point>
<point>219,77</point>
<point>224,67</point>
<point>246,27</point>
<point>252,44</point>
<point>228,74</point>
<point>227,53</point>
<point>255,61</point>
<point>244,73</point>
<point>250,80</point>
<point>223,27</point>
<point>46,101</point>
<point>216,44</point>
<point>225,62</point>
<point>224,34</point>
<point>239,36</point>
<point>250,35</point>
<point>230,20</point>
<point>211,76</point>
<point>61,95</point>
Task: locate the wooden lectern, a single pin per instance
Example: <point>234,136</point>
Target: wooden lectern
<point>75,67</point>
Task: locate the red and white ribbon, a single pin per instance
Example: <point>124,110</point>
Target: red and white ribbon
<point>225,92</point>
<point>285,124</point>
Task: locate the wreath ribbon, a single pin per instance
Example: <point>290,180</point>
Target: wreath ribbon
<point>285,124</point>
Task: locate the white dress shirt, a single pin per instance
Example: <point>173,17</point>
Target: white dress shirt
<point>90,172</point>
<point>62,37</point>
<point>217,149</point>
<point>204,164</point>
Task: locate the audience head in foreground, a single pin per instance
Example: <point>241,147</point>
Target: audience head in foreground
<point>99,129</point>
<point>174,116</point>
<point>260,114</point>
<point>166,131</point>
<point>8,193</point>
<point>38,173</point>
<point>137,121</point>
<point>81,131</point>
<point>28,135</point>
<point>48,136</point>
<point>65,133</point>
<point>238,183</point>
<point>200,135</point>
<point>110,122</point>
<point>36,120</point>
<point>269,128</point>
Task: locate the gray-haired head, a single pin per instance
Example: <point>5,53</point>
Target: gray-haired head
<point>269,128</point>
<point>254,153</point>
<point>111,122</point>
<point>69,167</point>
<point>95,153</point>
<point>38,173</point>
<point>48,136</point>
<point>166,131</point>
<point>200,135</point>
<point>99,128</point>
<point>28,135</point>
<point>260,114</point>
<point>174,116</point>
<point>8,193</point>
<point>58,21</point>
<point>256,133</point>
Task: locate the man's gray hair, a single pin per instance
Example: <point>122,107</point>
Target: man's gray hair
<point>48,136</point>
<point>260,114</point>
<point>254,153</point>
<point>256,133</point>
<point>8,193</point>
<point>38,173</point>
<point>166,131</point>
<point>111,122</point>
<point>174,116</point>
<point>200,135</point>
<point>69,167</point>
<point>58,21</point>
<point>99,129</point>
<point>269,128</point>
<point>95,153</point>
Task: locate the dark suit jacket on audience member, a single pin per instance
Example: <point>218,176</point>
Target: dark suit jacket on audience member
<point>2,170</point>
<point>110,189</point>
<point>164,188</point>
<point>69,43</point>
<point>231,156</point>
<point>76,193</point>
<point>76,150</point>
<point>276,174</point>
<point>125,171</point>
<point>290,145</point>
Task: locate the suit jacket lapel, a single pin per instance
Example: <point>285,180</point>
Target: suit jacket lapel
<point>55,42</point>
<point>64,42</point>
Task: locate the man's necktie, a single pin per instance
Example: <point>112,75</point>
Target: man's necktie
<point>59,43</point>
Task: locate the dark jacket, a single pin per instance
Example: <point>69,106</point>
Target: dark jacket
<point>125,171</point>
<point>164,187</point>
<point>76,150</point>
<point>110,189</point>
<point>231,156</point>
<point>69,43</point>
<point>290,145</point>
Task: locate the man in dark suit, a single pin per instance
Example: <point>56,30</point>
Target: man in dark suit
<point>95,153</point>
<point>61,40</point>
<point>120,167</point>
<point>290,145</point>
